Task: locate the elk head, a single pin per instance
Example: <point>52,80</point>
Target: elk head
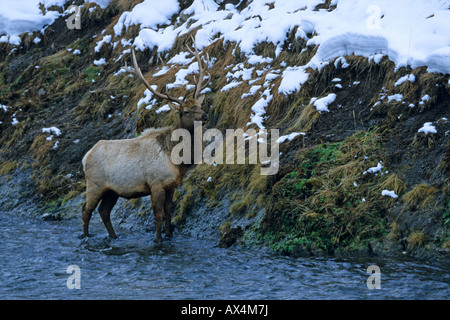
<point>188,109</point>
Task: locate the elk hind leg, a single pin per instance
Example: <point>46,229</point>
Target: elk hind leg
<point>109,199</point>
<point>92,200</point>
<point>158,199</point>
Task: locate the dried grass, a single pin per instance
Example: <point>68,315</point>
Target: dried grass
<point>7,167</point>
<point>422,196</point>
<point>416,239</point>
<point>393,182</point>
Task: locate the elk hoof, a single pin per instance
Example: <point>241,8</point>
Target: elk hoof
<point>168,234</point>
<point>168,237</point>
<point>158,240</point>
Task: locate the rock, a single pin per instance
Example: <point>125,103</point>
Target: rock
<point>230,237</point>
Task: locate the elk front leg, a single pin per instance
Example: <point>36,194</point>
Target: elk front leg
<point>158,199</point>
<point>86,214</point>
<point>168,212</point>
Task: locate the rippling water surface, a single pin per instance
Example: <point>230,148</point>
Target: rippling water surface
<point>35,255</point>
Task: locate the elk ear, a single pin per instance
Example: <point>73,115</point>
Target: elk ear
<point>174,107</point>
<point>201,99</point>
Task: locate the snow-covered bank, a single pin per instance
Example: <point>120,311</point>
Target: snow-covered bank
<point>17,17</point>
<point>414,33</point>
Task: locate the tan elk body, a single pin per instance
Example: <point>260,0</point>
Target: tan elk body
<point>142,166</point>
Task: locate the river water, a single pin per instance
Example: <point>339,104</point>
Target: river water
<point>35,256</point>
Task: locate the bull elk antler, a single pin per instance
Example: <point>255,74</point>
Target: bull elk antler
<point>201,70</point>
<point>137,71</point>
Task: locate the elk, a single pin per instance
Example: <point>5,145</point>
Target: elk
<point>132,168</point>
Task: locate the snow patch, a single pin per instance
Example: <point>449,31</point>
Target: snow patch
<point>52,130</point>
<point>251,92</point>
<point>17,17</point>
<point>148,14</point>
<point>163,70</point>
<point>181,58</point>
<point>408,77</point>
<point>259,109</point>
<point>395,97</point>
<point>240,72</point>
<point>106,39</point>
<point>428,128</point>
<point>231,85</point>
<point>424,99</point>
<point>163,108</point>
<point>292,79</point>
<point>100,62</point>
<point>322,103</point>
<point>389,194</point>
<point>255,59</point>
<point>289,137</point>
<point>147,96</point>
<point>374,169</point>
<point>180,76</point>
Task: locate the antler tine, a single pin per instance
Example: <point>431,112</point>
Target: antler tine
<point>201,70</point>
<point>189,49</point>
<point>161,59</point>
<point>127,68</point>
<point>137,71</point>
<point>206,84</point>
<point>207,73</point>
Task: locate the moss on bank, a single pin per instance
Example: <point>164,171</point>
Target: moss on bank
<point>327,201</point>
